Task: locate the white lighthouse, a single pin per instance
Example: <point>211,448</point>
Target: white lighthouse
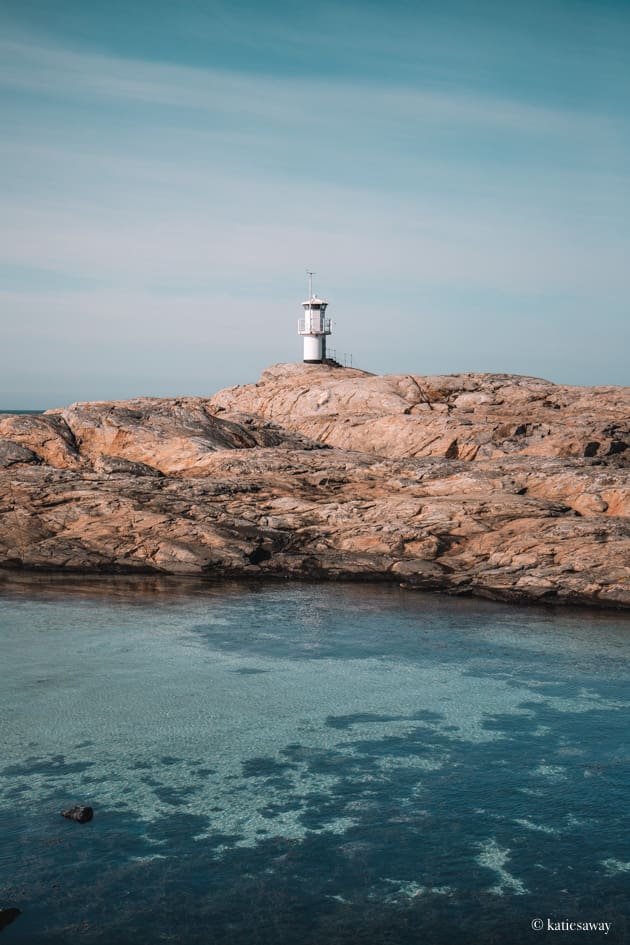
<point>314,326</point>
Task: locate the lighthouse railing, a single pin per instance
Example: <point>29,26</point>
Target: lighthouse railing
<point>342,359</point>
<point>315,326</point>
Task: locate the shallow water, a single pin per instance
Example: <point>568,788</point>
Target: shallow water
<point>309,764</point>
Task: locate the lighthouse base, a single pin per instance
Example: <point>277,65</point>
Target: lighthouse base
<point>314,349</point>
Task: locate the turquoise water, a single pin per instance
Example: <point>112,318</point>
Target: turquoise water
<point>309,764</point>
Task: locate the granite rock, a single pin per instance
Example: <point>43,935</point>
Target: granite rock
<point>489,485</point>
<point>460,416</point>
<point>12,453</point>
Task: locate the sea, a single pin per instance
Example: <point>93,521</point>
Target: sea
<point>309,764</point>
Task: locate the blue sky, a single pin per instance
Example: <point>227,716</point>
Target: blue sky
<point>457,174</point>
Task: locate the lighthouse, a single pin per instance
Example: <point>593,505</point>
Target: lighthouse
<point>314,326</point>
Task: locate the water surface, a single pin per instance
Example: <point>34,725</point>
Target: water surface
<point>308,764</point>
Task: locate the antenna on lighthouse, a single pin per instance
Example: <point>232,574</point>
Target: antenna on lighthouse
<point>310,282</point>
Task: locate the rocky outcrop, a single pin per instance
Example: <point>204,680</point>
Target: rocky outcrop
<point>461,416</point>
<point>174,437</point>
<point>504,487</point>
<point>48,436</point>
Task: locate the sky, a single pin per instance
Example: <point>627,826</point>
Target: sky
<point>457,174</point>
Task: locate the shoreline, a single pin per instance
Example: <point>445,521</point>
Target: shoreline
<point>153,584</point>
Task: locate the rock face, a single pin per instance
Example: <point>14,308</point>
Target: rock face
<point>461,416</point>
<point>12,453</point>
<point>505,487</point>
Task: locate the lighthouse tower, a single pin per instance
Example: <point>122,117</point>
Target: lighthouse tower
<point>314,326</point>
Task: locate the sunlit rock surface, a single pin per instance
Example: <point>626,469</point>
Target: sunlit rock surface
<point>459,416</point>
<point>501,486</point>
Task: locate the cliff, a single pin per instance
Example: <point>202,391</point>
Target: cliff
<point>506,487</point>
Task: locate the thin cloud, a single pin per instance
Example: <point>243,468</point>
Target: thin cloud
<point>52,70</point>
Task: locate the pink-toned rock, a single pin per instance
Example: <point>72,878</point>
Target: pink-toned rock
<point>47,437</point>
<point>460,416</point>
<point>504,487</point>
<point>174,437</point>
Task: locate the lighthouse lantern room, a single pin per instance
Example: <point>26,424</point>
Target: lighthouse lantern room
<point>314,326</point>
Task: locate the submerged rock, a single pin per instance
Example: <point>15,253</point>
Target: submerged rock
<point>81,814</point>
<point>500,486</point>
<point>7,916</point>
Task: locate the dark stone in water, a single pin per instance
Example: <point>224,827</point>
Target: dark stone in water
<point>7,916</point>
<point>78,813</point>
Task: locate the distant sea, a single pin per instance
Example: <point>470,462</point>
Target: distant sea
<point>297,764</point>
<point>21,411</point>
